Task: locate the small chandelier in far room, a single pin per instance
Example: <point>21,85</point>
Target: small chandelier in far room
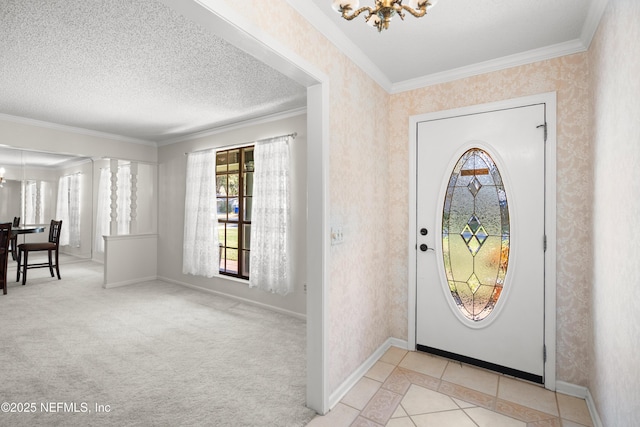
<point>380,15</point>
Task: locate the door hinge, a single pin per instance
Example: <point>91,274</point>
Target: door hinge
<point>544,352</point>
<point>544,243</point>
<point>544,125</point>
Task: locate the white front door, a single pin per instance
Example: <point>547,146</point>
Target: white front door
<point>480,199</point>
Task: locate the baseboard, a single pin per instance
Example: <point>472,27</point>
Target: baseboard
<point>403,344</point>
<point>128,282</point>
<point>582,393</point>
<point>591,404</point>
<point>571,389</point>
<point>236,298</point>
<point>351,381</point>
<point>75,258</point>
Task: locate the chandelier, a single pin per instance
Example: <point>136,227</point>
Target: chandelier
<point>380,15</point>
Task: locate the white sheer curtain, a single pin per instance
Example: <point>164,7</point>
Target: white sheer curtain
<point>68,209</point>
<point>271,217</point>
<point>30,204</point>
<point>200,249</point>
<point>74,210</point>
<point>62,209</point>
<point>103,215</point>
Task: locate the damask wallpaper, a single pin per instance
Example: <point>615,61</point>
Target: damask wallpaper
<point>614,70</point>
<point>568,77</point>
<point>358,177</point>
<point>368,184</point>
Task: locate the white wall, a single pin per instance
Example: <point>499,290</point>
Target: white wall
<point>32,135</point>
<point>172,171</point>
<point>11,200</point>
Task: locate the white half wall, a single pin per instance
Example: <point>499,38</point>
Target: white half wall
<point>130,258</point>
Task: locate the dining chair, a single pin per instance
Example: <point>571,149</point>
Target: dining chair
<point>13,243</point>
<point>5,237</point>
<point>51,246</point>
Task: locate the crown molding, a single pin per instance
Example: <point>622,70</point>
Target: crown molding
<point>335,35</point>
<point>596,10</point>
<point>594,15</point>
<point>237,125</point>
<point>528,57</point>
<point>72,129</point>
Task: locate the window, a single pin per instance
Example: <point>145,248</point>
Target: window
<point>234,190</point>
<point>475,234</point>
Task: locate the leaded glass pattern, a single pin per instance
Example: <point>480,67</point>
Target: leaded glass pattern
<point>475,234</point>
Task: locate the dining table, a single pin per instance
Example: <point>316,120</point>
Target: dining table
<point>23,229</point>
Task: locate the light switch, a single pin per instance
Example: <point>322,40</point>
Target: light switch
<point>337,236</point>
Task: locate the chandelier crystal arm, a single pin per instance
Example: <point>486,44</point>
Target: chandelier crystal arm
<point>355,13</point>
<point>419,13</point>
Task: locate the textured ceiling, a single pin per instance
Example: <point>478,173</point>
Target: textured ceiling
<point>132,68</point>
<point>140,69</point>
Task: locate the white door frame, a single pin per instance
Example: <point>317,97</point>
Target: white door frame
<point>550,217</point>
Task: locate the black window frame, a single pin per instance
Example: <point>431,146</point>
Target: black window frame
<point>231,201</point>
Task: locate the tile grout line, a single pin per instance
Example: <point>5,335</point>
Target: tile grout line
<point>493,407</point>
<point>469,416</point>
<point>440,380</point>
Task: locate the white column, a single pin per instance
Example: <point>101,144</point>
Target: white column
<point>113,226</point>
<point>133,222</point>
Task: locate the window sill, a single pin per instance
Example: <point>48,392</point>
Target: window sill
<point>232,279</point>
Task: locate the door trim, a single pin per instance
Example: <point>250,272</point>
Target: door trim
<point>549,99</point>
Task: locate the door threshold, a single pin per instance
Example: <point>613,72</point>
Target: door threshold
<point>538,379</point>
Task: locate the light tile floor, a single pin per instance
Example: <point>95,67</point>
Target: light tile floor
<point>412,389</point>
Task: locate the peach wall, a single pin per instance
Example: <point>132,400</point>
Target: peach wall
<point>614,60</point>
<point>568,77</point>
<point>358,176</point>
<point>368,195</point>
<point>368,189</point>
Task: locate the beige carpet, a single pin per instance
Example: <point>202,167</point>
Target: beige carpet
<point>151,354</point>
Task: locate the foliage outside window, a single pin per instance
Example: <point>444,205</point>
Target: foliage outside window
<point>234,190</point>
